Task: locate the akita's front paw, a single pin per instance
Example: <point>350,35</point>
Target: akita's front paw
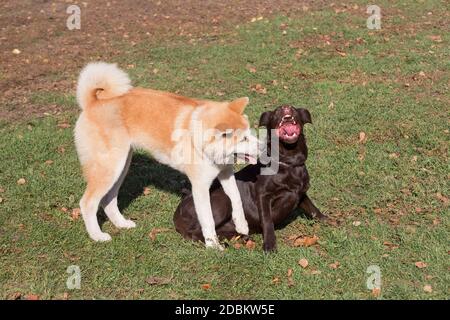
<point>241,226</point>
<point>101,237</point>
<point>213,243</point>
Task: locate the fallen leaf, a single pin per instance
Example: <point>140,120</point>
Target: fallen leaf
<point>305,241</point>
<point>394,155</point>
<point>157,281</point>
<point>147,191</point>
<point>362,137</point>
<point>420,264</point>
<point>276,280</point>
<point>49,162</point>
<point>377,210</point>
<point>259,89</point>
<point>390,245</point>
<point>341,53</point>
<point>251,69</point>
<point>206,286</point>
<point>61,149</point>
<point>250,244</point>
<point>376,292</point>
<point>315,272</point>
<point>436,38</point>
<point>237,245</point>
<point>2,190</point>
<point>335,265</point>
<point>16,296</point>
<point>356,223</point>
<point>155,231</point>
<point>427,288</point>
<point>32,297</point>
<point>303,263</point>
<point>442,198</point>
<point>65,296</point>
<point>63,125</point>
<point>21,181</point>
<point>75,214</point>
<point>289,276</point>
<point>16,51</point>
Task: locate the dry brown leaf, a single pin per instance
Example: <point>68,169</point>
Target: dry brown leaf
<point>49,162</point>
<point>1,199</point>
<point>250,244</point>
<point>315,272</point>
<point>63,125</point>
<point>442,198</point>
<point>390,245</point>
<point>436,38</point>
<point>356,223</point>
<point>275,280</point>
<point>303,263</point>
<point>377,210</point>
<point>155,231</point>
<point>147,191</point>
<point>251,69</point>
<point>362,137</point>
<point>21,181</point>
<point>61,150</point>
<point>427,288</point>
<point>32,297</point>
<point>420,264</point>
<point>289,277</point>
<point>376,292</point>
<point>75,214</point>
<point>16,296</point>
<point>237,245</point>
<point>335,265</point>
<point>157,281</point>
<point>206,286</point>
<point>305,241</point>
<point>65,296</point>
<point>2,190</point>
<point>259,89</point>
<point>394,155</point>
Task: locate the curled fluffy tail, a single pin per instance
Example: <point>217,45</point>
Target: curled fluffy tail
<point>102,76</point>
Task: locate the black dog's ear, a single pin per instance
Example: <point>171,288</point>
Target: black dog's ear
<point>305,116</point>
<point>265,119</point>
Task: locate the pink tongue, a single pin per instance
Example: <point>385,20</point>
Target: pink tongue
<point>290,129</point>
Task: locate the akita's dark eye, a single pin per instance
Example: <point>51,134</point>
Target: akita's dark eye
<point>228,134</point>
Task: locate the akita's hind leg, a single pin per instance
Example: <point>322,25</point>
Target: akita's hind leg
<point>109,201</point>
<point>101,176</point>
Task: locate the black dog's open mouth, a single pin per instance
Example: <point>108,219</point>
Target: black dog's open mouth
<point>288,129</point>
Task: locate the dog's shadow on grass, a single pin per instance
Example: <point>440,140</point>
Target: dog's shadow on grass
<point>147,172</point>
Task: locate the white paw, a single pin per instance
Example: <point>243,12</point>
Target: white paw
<point>101,237</point>
<point>241,226</point>
<point>126,224</point>
<point>214,243</point>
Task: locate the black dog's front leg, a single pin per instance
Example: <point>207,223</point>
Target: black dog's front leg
<point>311,210</point>
<point>268,229</point>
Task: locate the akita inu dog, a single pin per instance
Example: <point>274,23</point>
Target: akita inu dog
<point>197,137</point>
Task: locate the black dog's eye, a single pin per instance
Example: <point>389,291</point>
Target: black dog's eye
<point>245,139</point>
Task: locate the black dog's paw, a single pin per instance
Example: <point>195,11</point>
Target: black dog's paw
<point>269,246</point>
<point>321,216</point>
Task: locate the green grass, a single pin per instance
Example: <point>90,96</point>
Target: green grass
<point>363,91</point>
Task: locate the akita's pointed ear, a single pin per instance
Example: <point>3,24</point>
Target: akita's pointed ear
<point>238,105</point>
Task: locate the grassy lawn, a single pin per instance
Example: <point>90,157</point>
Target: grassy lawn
<point>388,191</point>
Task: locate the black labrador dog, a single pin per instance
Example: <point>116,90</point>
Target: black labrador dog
<point>268,200</point>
